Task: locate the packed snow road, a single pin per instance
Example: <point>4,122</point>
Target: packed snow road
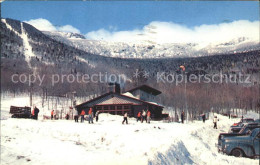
<point>26,141</point>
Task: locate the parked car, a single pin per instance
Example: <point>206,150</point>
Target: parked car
<point>246,145</point>
<point>246,130</point>
<point>247,120</point>
<point>257,121</point>
<point>236,127</point>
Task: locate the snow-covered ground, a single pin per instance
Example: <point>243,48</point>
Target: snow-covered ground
<point>26,141</point>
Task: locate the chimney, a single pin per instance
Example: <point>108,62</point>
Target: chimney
<point>114,87</point>
<point>111,87</point>
<point>117,88</point>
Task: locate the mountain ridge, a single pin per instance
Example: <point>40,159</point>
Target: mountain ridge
<point>153,50</point>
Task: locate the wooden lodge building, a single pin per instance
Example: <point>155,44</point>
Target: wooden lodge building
<point>132,101</point>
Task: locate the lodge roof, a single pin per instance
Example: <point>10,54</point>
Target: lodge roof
<point>116,98</point>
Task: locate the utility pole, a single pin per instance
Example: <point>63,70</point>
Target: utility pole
<point>185,83</point>
<point>73,103</point>
<point>31,95</point>
<point>186,106</point>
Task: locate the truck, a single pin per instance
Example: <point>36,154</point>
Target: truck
<point>20,112</point>
<point>239,146</point>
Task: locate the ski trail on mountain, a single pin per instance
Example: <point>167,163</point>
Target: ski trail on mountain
<point>27,47</point>
<point>10,28</point>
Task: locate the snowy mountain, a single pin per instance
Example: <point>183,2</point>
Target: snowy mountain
<point>149,49</point>
<point>25,49</point>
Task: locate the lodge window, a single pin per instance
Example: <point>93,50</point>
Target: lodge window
<point>126,107</point>
<point>105,107</point>
<point>119,107</point>
<point>112,107</point>
<point>99,108</point>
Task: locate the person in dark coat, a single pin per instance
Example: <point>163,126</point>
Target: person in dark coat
<point>36,112</point>
<point>203,117</point>
<point>67,116</point>
<point>182,117</point>
<point>97,113</point>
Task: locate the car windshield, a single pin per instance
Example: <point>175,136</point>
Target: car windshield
<point>248,120</point>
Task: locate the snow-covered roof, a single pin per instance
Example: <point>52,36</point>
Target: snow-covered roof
<point>129,95</point>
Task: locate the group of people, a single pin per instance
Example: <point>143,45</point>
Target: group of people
<point>141,115</point>
<point>83,113</point>
<point>144,115</point>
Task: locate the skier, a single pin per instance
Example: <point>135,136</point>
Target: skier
<point>203,117</point>
<point>90,116</point>
<point>82,115</point>
<point>139,116</point>
<point>67,116</point>
<point>144,116</point>
<point>52,112</point>
<point>125,118</point>
<point>182,117</point>
<point>97,113</point>
<point>215,120</point>
<point>148,116</point>
<point>76,116</point>
<point>36,112</point>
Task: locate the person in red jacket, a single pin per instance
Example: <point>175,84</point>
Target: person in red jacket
<point>148,116</point>
<point>82,115</point>
<point>139,116</point>
<point>52,113</point>
<point>32,114</point>
<point>90,116</point>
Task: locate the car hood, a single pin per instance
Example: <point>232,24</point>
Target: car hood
<point>238,138</point>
